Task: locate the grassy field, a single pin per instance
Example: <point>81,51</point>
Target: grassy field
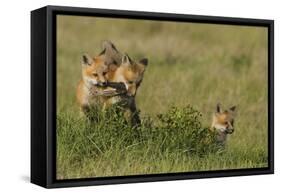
<point>189,64</point>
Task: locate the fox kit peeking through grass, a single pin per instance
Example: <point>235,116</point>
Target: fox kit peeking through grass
<point>223,122</point>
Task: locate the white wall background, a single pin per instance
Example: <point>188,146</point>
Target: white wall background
<point>15,95</point>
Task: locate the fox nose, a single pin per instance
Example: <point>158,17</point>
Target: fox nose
<point>230,131</point>
<point>131,94</point>
<point>132,91</point>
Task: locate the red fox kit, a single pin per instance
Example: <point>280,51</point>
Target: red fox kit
<point>94,72</point>
<point>93,79</point>
<point>129,73</point>
<point>223,122</point>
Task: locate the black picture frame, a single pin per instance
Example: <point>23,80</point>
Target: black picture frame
<point>43,95</point>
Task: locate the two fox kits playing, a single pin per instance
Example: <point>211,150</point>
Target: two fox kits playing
<point>110,78</point>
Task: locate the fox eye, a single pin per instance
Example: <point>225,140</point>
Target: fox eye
<point>104,73</point>
<point>130,82</point>
<point>225,123</point>
<point>95,74</point>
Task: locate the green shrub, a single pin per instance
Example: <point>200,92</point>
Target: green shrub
<point>181,130</point>
<point>176,131</point>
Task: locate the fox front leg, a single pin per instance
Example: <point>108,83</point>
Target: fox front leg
<point>131,113</point>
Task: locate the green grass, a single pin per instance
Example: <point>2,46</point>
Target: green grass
<point>196,64</point>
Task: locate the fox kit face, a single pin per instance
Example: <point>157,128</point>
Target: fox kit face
<point>94,70</point>
<point>130,73</point>
<point>223,121</point>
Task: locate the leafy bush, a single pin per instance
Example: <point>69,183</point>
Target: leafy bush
<point>176,131</point>
<point>181,130</point>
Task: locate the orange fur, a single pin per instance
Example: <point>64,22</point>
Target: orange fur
<point>94,71</point>
<point>223,122</point>
<point>130,73</point>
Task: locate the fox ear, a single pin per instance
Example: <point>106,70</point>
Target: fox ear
<point>86,60</point>
<point>106,44</point>
<point>218,108</point>
<point>233,108</point>
<point>102,52</point>
<point>126,60</point>
<point>144,61</point>
<point>111,52</point>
